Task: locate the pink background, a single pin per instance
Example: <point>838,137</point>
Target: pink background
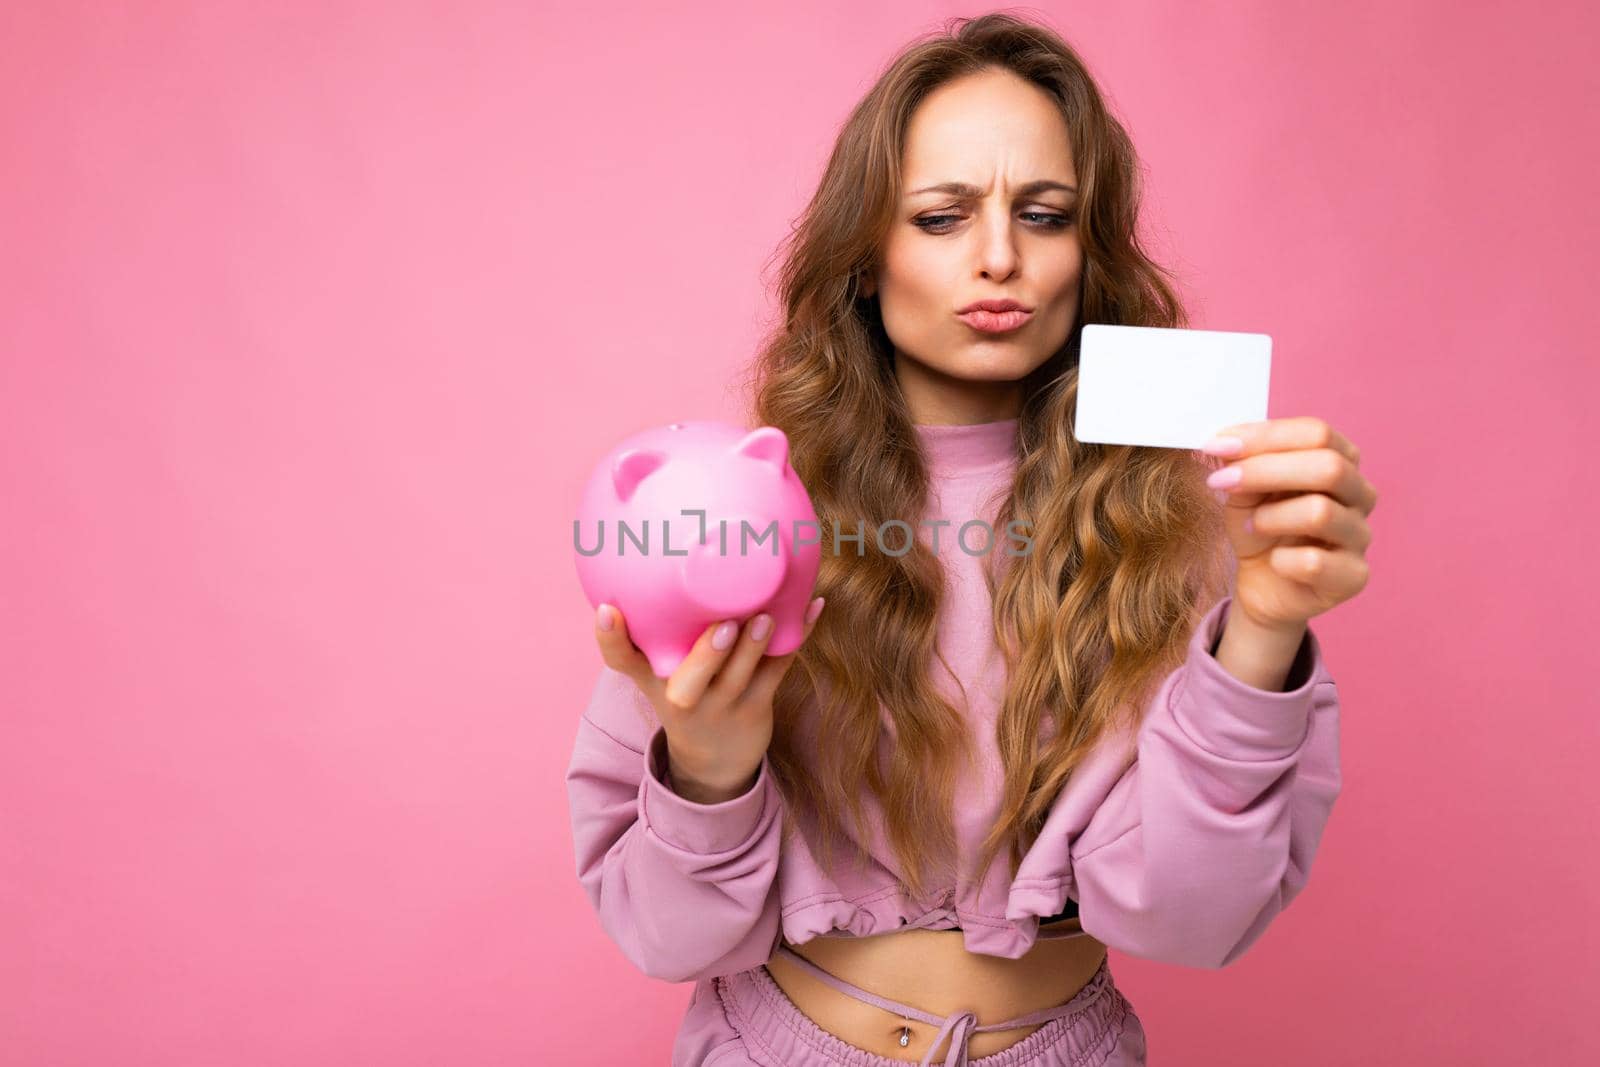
<point>316,317</point>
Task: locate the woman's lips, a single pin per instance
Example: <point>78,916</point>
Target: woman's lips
<point>995,321</point>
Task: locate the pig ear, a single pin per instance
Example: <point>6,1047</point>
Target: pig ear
<point>632,467</point>
<point>768,443</point>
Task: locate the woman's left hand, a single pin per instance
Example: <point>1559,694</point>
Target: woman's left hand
<point>1297,518</point>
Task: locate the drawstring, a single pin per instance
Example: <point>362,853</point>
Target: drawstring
<point>957,1028</point>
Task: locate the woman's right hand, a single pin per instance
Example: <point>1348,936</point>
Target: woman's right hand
<point>716,708</point>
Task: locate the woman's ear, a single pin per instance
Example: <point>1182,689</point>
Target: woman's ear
<point>869,284</point>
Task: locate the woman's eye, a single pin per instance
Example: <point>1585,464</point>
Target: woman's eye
<point>1048,221</point>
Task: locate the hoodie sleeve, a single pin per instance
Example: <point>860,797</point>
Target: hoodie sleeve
<point>1212,829</point>
<point>686,890</point>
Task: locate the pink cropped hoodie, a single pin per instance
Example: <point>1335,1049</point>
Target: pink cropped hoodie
<point>1179,844</point>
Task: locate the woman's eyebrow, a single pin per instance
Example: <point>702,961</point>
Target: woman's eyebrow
<point>967,189</point>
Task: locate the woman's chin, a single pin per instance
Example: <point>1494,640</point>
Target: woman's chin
<point>1004,368</point>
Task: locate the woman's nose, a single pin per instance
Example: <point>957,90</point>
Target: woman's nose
<point>997,254</point>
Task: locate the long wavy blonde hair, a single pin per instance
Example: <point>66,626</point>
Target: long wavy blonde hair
<point>1127,541</point>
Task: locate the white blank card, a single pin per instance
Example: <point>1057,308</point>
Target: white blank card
<point>1148,385</point>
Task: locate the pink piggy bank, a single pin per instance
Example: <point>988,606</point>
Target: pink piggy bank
<point>686,525</point>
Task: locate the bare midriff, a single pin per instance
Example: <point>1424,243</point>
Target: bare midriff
<point>932,970</point>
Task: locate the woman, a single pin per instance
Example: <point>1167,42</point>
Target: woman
<point>1156,758</point>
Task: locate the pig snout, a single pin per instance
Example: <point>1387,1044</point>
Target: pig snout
<point>736,578</point>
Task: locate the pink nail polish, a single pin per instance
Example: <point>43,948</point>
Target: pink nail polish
<point>813,611</point>
<point>1223,446</point>
<point>606,618</point>
<point>1227,476</point>
<point>761,626</point>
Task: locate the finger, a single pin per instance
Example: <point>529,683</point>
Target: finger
<point>687,685</point>
<point>734,676</point>
<point>1287,434</point>
<point>1317,470</point>
<point>769,673</point>
<point>618,649</point>
<point>1313,515</point>
<point>1338,573</point>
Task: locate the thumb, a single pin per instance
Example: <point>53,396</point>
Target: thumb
<point>617,648</point>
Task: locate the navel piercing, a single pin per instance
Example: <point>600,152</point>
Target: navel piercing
<point>905,1036</point>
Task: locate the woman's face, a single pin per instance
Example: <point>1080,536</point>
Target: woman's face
<point>1002,237</point>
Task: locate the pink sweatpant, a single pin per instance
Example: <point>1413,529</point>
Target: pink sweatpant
<point>746,1019</point>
